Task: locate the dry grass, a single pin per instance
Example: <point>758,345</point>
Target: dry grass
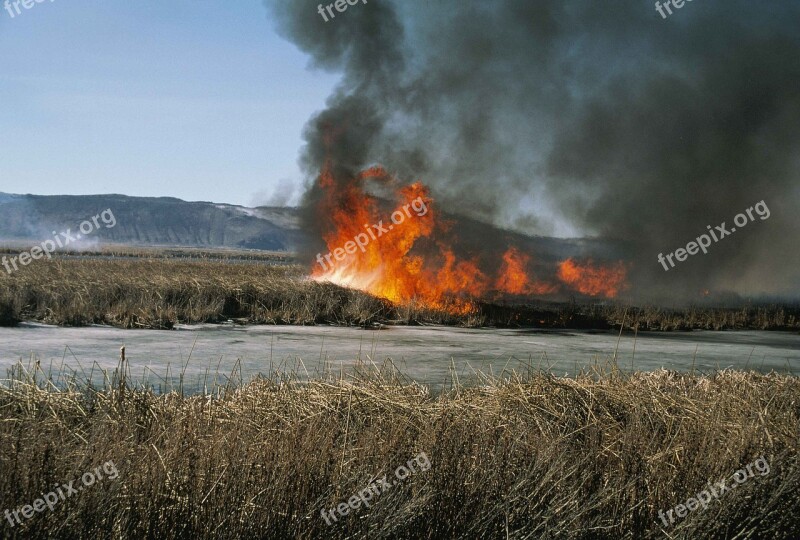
<point>155,252</point>
<point>752,317</point>
<point>527,456</point>
<point>138,291</point>
<point>613,315</point>
<point>159,293</point>
<point>164,291</point>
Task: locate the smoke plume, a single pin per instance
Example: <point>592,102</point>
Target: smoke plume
<point>568,118</point>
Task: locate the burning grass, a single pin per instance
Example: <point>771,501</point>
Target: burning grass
<point>162,292</point>
<point>526,456</point>
<point>424,258</point>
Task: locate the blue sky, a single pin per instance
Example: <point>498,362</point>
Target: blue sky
<point>196,99</point>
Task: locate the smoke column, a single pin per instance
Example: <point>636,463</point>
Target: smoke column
<point>572,118</point>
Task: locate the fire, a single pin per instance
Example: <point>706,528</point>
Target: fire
<point>593,280</point>
<point>514,279</point>
<point>401,251</point>
<point>378,260</point>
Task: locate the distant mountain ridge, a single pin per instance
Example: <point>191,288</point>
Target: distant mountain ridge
<point>165,221</point>
<point>171,222</point>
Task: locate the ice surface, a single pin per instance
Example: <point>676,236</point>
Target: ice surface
<point>423,353</point>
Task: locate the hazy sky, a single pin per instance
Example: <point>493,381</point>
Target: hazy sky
<point>196,99</point>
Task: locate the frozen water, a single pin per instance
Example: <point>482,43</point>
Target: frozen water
<point>423,353</point>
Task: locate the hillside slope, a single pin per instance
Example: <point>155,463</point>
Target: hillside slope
<point>151,221</point>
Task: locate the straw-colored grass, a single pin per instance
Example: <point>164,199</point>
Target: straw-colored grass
<point>162,289</point>
<point>526,456</point>
<point>159,293</point>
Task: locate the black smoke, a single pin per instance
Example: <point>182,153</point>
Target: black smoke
<point>586,118</point>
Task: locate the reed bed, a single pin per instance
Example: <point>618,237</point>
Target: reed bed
<point>158,252</point>
<point>160,292</point>
<point>525,455</point>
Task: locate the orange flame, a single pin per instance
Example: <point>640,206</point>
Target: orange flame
<point>514,279</point>
<point>593,280</point>
<point>406,255</point>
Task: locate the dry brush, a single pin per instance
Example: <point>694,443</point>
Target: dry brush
<point>526,456</point>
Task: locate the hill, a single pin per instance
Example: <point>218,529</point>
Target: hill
<point>148,221</point>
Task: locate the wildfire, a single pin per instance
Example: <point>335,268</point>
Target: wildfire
<point>593,280</point>
<point>514,279</point>
<point>403,252</point>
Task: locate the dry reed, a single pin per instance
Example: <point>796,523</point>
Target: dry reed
<point>160,292</point>
<point>528,455</point>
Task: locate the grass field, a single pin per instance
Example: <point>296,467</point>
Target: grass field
<point>158,293</point>
<point>527,456</point>
<point>154,252</point>
<point>136,289</point>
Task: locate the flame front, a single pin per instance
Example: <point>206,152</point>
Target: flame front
<point>514,278</point>
<point>405,254</point>
<point>593,280</point>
